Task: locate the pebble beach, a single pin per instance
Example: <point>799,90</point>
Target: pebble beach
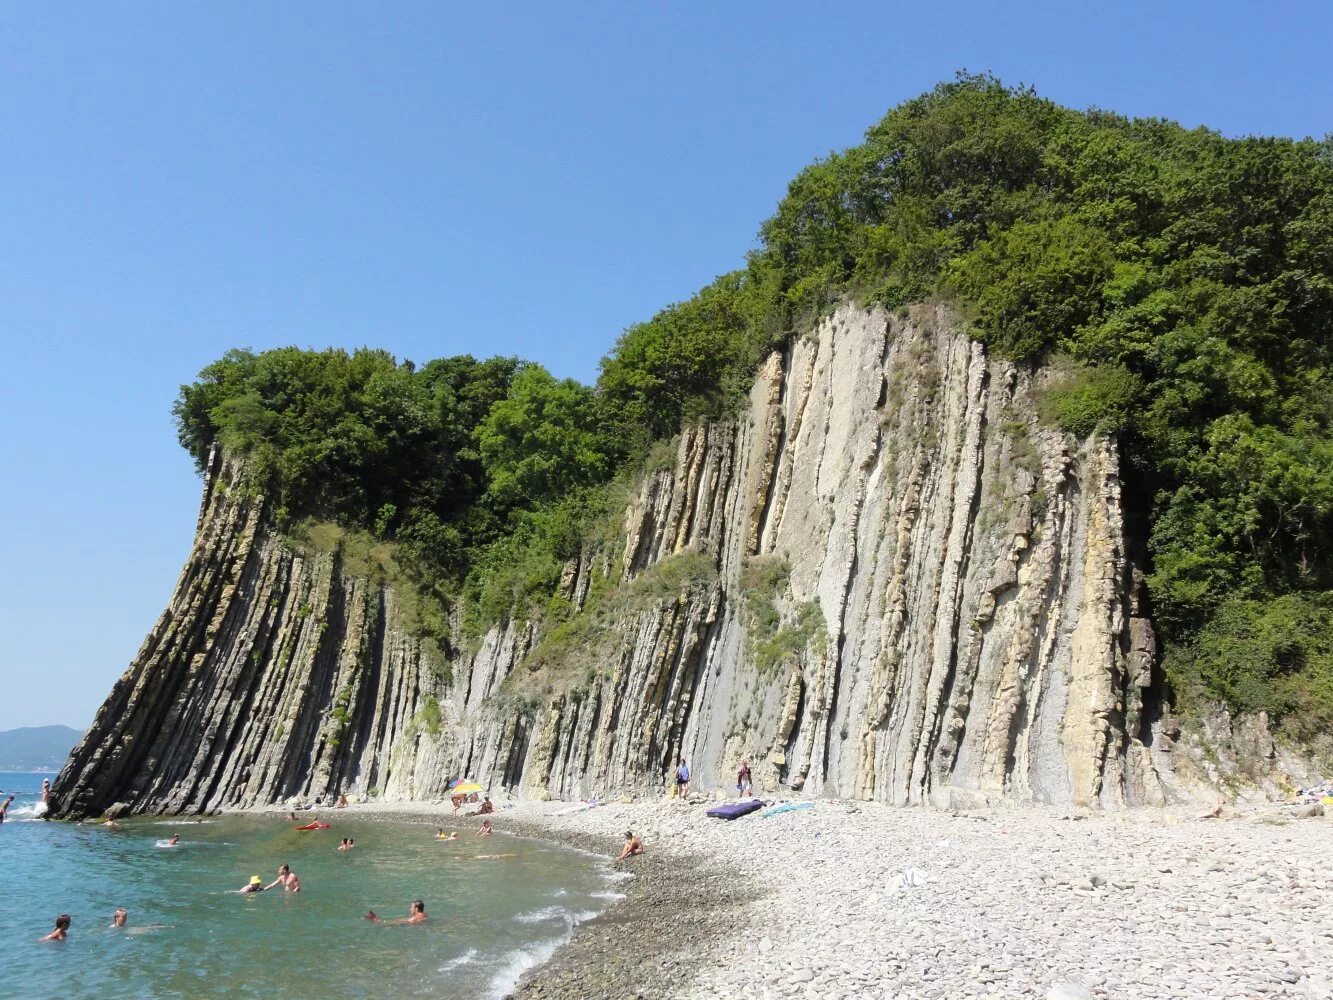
<point>857,900</point>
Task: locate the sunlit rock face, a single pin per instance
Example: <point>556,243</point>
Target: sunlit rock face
<point>885,579</point>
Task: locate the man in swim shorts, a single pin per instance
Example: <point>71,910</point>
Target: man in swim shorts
<point>287,879</point>
<point>744,786</point>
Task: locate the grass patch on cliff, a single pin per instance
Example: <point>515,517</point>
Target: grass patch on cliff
<point>773,638</point>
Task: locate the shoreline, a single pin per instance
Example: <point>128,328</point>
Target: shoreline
<point>678,911</point>
<point>852,899</point>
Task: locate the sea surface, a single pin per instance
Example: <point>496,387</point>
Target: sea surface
<point>490,919</point>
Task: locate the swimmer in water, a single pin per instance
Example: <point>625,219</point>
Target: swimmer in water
<point>120,917</point>
<point>175,840</point>
<point>61,931</point>
<point>111,824</point>
<point>416,916</point>
<point>343,846</point>
<point>485,830</point>
<point>287,879</point>
<point>256,884</point>
<point>4,808</point>
<point>291,817</point>
<point>441,835</point>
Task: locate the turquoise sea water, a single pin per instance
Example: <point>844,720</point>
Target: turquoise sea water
<point>489,919</point>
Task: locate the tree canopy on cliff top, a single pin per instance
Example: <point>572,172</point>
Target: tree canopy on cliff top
<point>1184,279</point>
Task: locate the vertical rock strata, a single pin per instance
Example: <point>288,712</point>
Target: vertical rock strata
<point>957,620</point>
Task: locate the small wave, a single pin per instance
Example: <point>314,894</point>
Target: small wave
<point>519,961</point>
<point>558,893</point>
<point>619,876</point>
<point>180,822</point>
<point>613,896</point>
<point>454,964</point>
<point>550,914</point>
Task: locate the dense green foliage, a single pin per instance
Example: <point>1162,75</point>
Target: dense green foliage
<point>1180,281</point>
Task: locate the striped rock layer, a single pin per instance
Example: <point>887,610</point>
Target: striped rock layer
<point>947,611</point>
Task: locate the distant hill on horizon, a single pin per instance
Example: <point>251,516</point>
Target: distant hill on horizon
<point>36,748</point>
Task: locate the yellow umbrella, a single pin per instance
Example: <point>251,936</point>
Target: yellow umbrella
<point>465,788</point>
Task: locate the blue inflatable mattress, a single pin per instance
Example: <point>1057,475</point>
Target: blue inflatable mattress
<point>735,810</point>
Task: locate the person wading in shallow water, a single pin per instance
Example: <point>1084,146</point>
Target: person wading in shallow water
<point>61,931</point>
<point>287,879</point>
<point>417,915</point>
<point>633,845</point>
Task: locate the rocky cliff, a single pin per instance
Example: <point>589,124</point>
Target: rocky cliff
<point>885,579</point>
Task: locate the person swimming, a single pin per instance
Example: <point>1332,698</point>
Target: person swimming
<point>111,824</point>
<point>175,840</point>
<point>256,884</point>
<point>61,931</point>
<point>417,915</point>
<point>451,835</point>
<point>4,808</point>
<point>120,917</point>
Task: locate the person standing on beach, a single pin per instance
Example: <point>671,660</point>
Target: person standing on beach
<point>61,931</point>
<point>744,786</point>
<point>682,779</point>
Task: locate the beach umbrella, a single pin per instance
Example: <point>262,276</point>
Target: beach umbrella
<point>465,788</point>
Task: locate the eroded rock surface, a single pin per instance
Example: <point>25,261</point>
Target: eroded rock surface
<point>959,619</point>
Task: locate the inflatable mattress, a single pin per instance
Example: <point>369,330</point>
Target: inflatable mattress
<point>735,810</point>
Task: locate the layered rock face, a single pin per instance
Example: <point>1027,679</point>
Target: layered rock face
<point>887,579</point>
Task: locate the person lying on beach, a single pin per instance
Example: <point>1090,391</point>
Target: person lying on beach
<point>61,931</point>
<point>256,884</point>
<point>633,845</point>
<point>416,916</point>
<point>485,830</point>
<point>287,879</point>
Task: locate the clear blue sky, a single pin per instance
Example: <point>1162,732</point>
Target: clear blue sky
<point>433,180</point>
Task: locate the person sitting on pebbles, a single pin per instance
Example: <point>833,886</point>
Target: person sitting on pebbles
<point>633,846</point>
<point>485,830</point>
